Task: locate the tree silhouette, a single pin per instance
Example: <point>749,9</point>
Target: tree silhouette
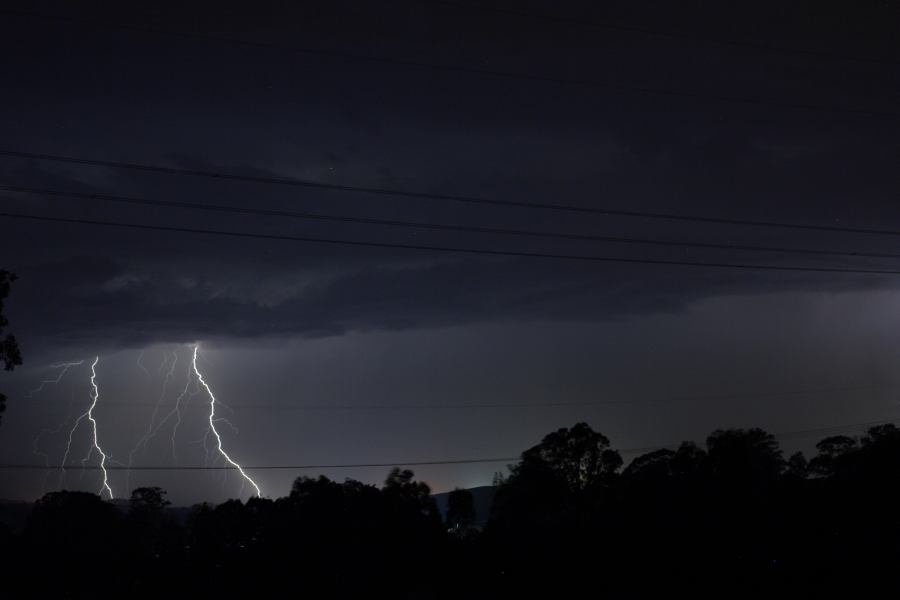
<point>558,498</point>
<point>148,500</point>
<point>460,520</point>
<point>410,506</point>
<point>9,348</point>
<point>155,541</point>
<point>747,460</point>
<point>73,532</point>
<point>797,467</point>
<point>731,520</point>
<point>580,456</point>
<point>834,453</point>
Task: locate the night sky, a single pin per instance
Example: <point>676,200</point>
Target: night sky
<point>333,354</point>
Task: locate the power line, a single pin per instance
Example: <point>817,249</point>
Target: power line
<point>442,226</point>
<point>517,75</point>
<point>667,33</point>
<point>411,463</point>
<point>258,467</point>
<point>295,182</point>
<point>451,249</point>
<point>778,435</point>
<point>524,405</point>
<point>782,434</point>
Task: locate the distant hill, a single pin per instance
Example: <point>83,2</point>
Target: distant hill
<point>482,497</point>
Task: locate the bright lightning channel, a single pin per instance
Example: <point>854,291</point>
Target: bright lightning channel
<point>95,445</point>
<point>212,424</point>
<point>90,416</point>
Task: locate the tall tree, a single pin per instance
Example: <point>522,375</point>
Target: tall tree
<point>579,455</point>
<point>747,460</point>
<point>9,348</point>
<point>460,513</point>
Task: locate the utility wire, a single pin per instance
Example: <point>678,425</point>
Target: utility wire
<point>666,33</point>
<point>451,249</point>
<point>797,433</point>
<point>412,463</point>
<point>441,226</point>
<point>488,405</point>
<point>295,182</point>
<point>258,467</point>
<point>517,75</point>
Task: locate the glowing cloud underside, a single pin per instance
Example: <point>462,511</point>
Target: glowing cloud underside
<point>212,424</point>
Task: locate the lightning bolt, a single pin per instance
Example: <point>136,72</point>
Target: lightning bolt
<point>176,412</point>
<point>35,444</point>
<point>64,367</point>
<point>212,424</point>
<point>65,458</point>
<point>141,364</point>
<point>95,445</point>
<point>170,376</point>
<point>90,416</point>
<point>145,439</point>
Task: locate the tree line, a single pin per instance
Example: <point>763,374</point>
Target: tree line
<point>734,518</point>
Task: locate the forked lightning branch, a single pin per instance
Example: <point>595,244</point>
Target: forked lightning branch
<point>196,384</point>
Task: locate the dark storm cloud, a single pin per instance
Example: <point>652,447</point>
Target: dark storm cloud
<point>114,291</point>
<point>224,107</point>
<point>100,301</point>
<point>397,327</point>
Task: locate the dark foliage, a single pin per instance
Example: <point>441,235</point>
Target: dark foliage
<point>733,520</point>
<point>10,355</point>
<point>461,515</point>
